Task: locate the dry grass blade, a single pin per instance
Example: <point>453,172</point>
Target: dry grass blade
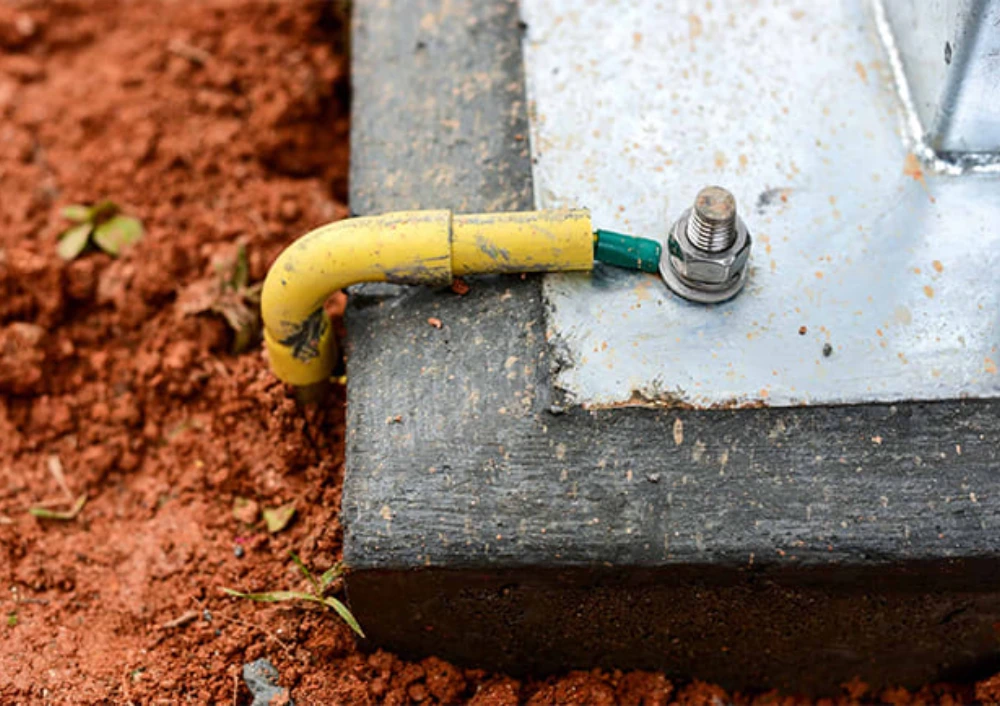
<point>44,513</point>
<point>181,620</point>
<point>54,464</point>
<point>194,54</point>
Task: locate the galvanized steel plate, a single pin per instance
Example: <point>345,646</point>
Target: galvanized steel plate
<point>872,280</point>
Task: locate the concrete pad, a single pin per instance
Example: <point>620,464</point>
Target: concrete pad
<point>490,521</point>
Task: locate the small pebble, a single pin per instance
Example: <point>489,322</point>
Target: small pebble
<point>246,510</point>
<point>238,551</point>
<point>653,477</point>
<point>24,25</point>
<point>261,678</point>
<point>289,211</point>
<point>417,692</point>
<point>827,350</point>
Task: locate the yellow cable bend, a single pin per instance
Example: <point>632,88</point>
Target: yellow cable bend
<point>407,248</point>
<point>411,247</point>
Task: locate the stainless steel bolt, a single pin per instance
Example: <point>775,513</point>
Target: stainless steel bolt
<point>708,249</point>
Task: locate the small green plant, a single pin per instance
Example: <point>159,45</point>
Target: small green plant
<point>320,587</point>
<point>101,225</point>
<point>231,296</point>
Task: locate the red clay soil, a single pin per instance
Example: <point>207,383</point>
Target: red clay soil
<point>217,123</point>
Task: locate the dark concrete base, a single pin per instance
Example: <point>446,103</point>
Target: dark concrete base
<point>801,632</point>
<point>487,524</point>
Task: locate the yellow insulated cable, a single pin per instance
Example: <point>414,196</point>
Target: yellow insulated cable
<point>409,247</point>
<point>533,241</point>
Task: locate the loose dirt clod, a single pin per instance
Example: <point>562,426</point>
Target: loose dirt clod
<point>245,510</point>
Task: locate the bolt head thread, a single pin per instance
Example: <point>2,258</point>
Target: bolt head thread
<point>712,225</point>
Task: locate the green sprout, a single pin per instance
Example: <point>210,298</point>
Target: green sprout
<point>320,587</point>
<point>101,225</point>
<point>231,296</point>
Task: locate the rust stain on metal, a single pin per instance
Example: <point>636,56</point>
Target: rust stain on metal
<point>676,401</point>
<point>912,168</point>
<point>695,27</point>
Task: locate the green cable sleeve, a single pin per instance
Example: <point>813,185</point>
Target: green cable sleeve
<point>627,251</point>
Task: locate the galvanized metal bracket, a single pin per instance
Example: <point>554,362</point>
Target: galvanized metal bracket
<point>945,55</point>
<point>873,276</point>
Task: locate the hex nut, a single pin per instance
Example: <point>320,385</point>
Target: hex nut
<point>702,276</point>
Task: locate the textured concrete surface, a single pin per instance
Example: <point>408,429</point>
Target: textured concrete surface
<point>491,523</point>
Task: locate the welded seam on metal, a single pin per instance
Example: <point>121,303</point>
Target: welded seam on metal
<point>529,96</point>
<point>972,162</point>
